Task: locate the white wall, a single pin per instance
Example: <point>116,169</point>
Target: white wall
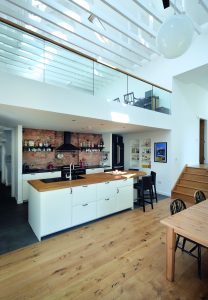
<point>162,70</point>
<point>189,105</point>
<point>163,170</point>
<point>18,163</point>
<point>38,95</point>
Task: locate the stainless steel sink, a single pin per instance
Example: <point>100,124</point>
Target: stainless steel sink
<point>59,179</point>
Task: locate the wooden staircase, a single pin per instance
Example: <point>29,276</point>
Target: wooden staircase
<point>190,180</point>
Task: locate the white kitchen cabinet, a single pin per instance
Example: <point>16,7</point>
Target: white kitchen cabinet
<point>84,204</point>
<point>56,210</point>
<point>106,206</point>
<point>84,194</point>
<point>106,201</point>
<point>106,189</point>
<point>33,176</point>
<point>50,211</point>
<point>94,170</point>
<point>124,195</point>
<point>84,212</point>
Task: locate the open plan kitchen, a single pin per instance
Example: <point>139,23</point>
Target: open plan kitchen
<point>103,150</point>
<point>73,178</point>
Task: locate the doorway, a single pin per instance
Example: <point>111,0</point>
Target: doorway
<point>202,140</point>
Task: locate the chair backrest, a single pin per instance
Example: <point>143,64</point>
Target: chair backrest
<point>199,196</point>
<point>129,98</point>
<point>153,175</point>
<point>146,183</point>
<point>176,206</point>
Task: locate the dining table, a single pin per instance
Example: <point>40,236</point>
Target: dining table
<point>191,223</point>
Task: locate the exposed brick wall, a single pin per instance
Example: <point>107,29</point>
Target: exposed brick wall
<point>55,139</point>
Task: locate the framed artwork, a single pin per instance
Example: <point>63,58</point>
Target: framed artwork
<point>160,152</point>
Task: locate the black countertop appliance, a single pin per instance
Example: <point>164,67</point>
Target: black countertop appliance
<point>117,152</point>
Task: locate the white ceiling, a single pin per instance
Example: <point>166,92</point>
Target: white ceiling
<point>11,116</point>
<point>122,34</point>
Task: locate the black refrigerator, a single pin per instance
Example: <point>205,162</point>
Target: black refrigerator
<point>117,152</point>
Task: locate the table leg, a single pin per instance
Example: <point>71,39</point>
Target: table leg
<point>170,254</point>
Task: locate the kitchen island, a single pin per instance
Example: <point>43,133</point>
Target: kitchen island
<point>56,206</point>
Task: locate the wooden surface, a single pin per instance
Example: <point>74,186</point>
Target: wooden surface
<point>191,223</point>
<point>170,253</point>
<point>88,179</point>
<point>120,257</point>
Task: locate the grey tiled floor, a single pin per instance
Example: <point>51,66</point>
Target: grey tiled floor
<point>15,231</point>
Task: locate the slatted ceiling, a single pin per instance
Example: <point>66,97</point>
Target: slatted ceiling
<point>124,39</point>
<point>55,24</point>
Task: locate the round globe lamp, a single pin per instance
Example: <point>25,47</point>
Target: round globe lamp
<point>175,36</point>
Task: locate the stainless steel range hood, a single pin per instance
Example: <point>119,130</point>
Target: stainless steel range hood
<point>67,146</point>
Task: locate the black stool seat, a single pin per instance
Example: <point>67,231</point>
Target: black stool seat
<point>144,191</point>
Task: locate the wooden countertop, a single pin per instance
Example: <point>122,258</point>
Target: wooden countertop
<point>88,179</point>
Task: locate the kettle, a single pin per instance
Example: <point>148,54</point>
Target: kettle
<point>50,166</point>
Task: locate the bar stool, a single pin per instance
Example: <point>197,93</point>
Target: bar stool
<point>144,191</point>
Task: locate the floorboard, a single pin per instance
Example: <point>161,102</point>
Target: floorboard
<point>119,257</point>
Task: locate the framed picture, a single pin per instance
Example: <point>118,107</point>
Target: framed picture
<point>160,152</point>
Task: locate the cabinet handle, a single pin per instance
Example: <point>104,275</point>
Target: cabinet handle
<point>85,204</point>
<point>106,182</point>
<point>70,190</point>
<point>107,199</point>
<point>117,190</point>
<point>85,186</point>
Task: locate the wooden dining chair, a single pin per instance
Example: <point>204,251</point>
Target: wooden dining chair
<point>176,206</point>
<point>199,196</point>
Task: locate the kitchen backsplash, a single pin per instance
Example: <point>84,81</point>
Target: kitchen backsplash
<point>41,159</point>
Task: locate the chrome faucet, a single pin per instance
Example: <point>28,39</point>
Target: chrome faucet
<point>70,169</point>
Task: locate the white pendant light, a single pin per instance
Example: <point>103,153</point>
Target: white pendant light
<point>175,36</point>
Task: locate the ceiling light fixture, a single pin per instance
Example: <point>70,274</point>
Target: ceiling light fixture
<point>175,36</point>
<point>96,21</point>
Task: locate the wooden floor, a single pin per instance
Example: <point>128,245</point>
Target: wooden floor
<point>120,257</point>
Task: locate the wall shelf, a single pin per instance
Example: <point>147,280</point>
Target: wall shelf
<point>38,149</point>
<point>91,149</point>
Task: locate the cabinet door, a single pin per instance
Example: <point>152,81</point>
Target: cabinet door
<point>106,189</point>
<point>124,197</point>
<point>83,213</point>
<point>55,210</point>
<point>84,194</point>
<point>106,206</point>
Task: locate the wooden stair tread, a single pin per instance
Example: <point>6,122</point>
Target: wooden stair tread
<point>190,187</point>
<point>186,187</point>
<point>199,181</point>
<point>204,175</point>
<point>182,196</point>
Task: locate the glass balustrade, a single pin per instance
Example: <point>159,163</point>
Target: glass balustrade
<point>31,57</point>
